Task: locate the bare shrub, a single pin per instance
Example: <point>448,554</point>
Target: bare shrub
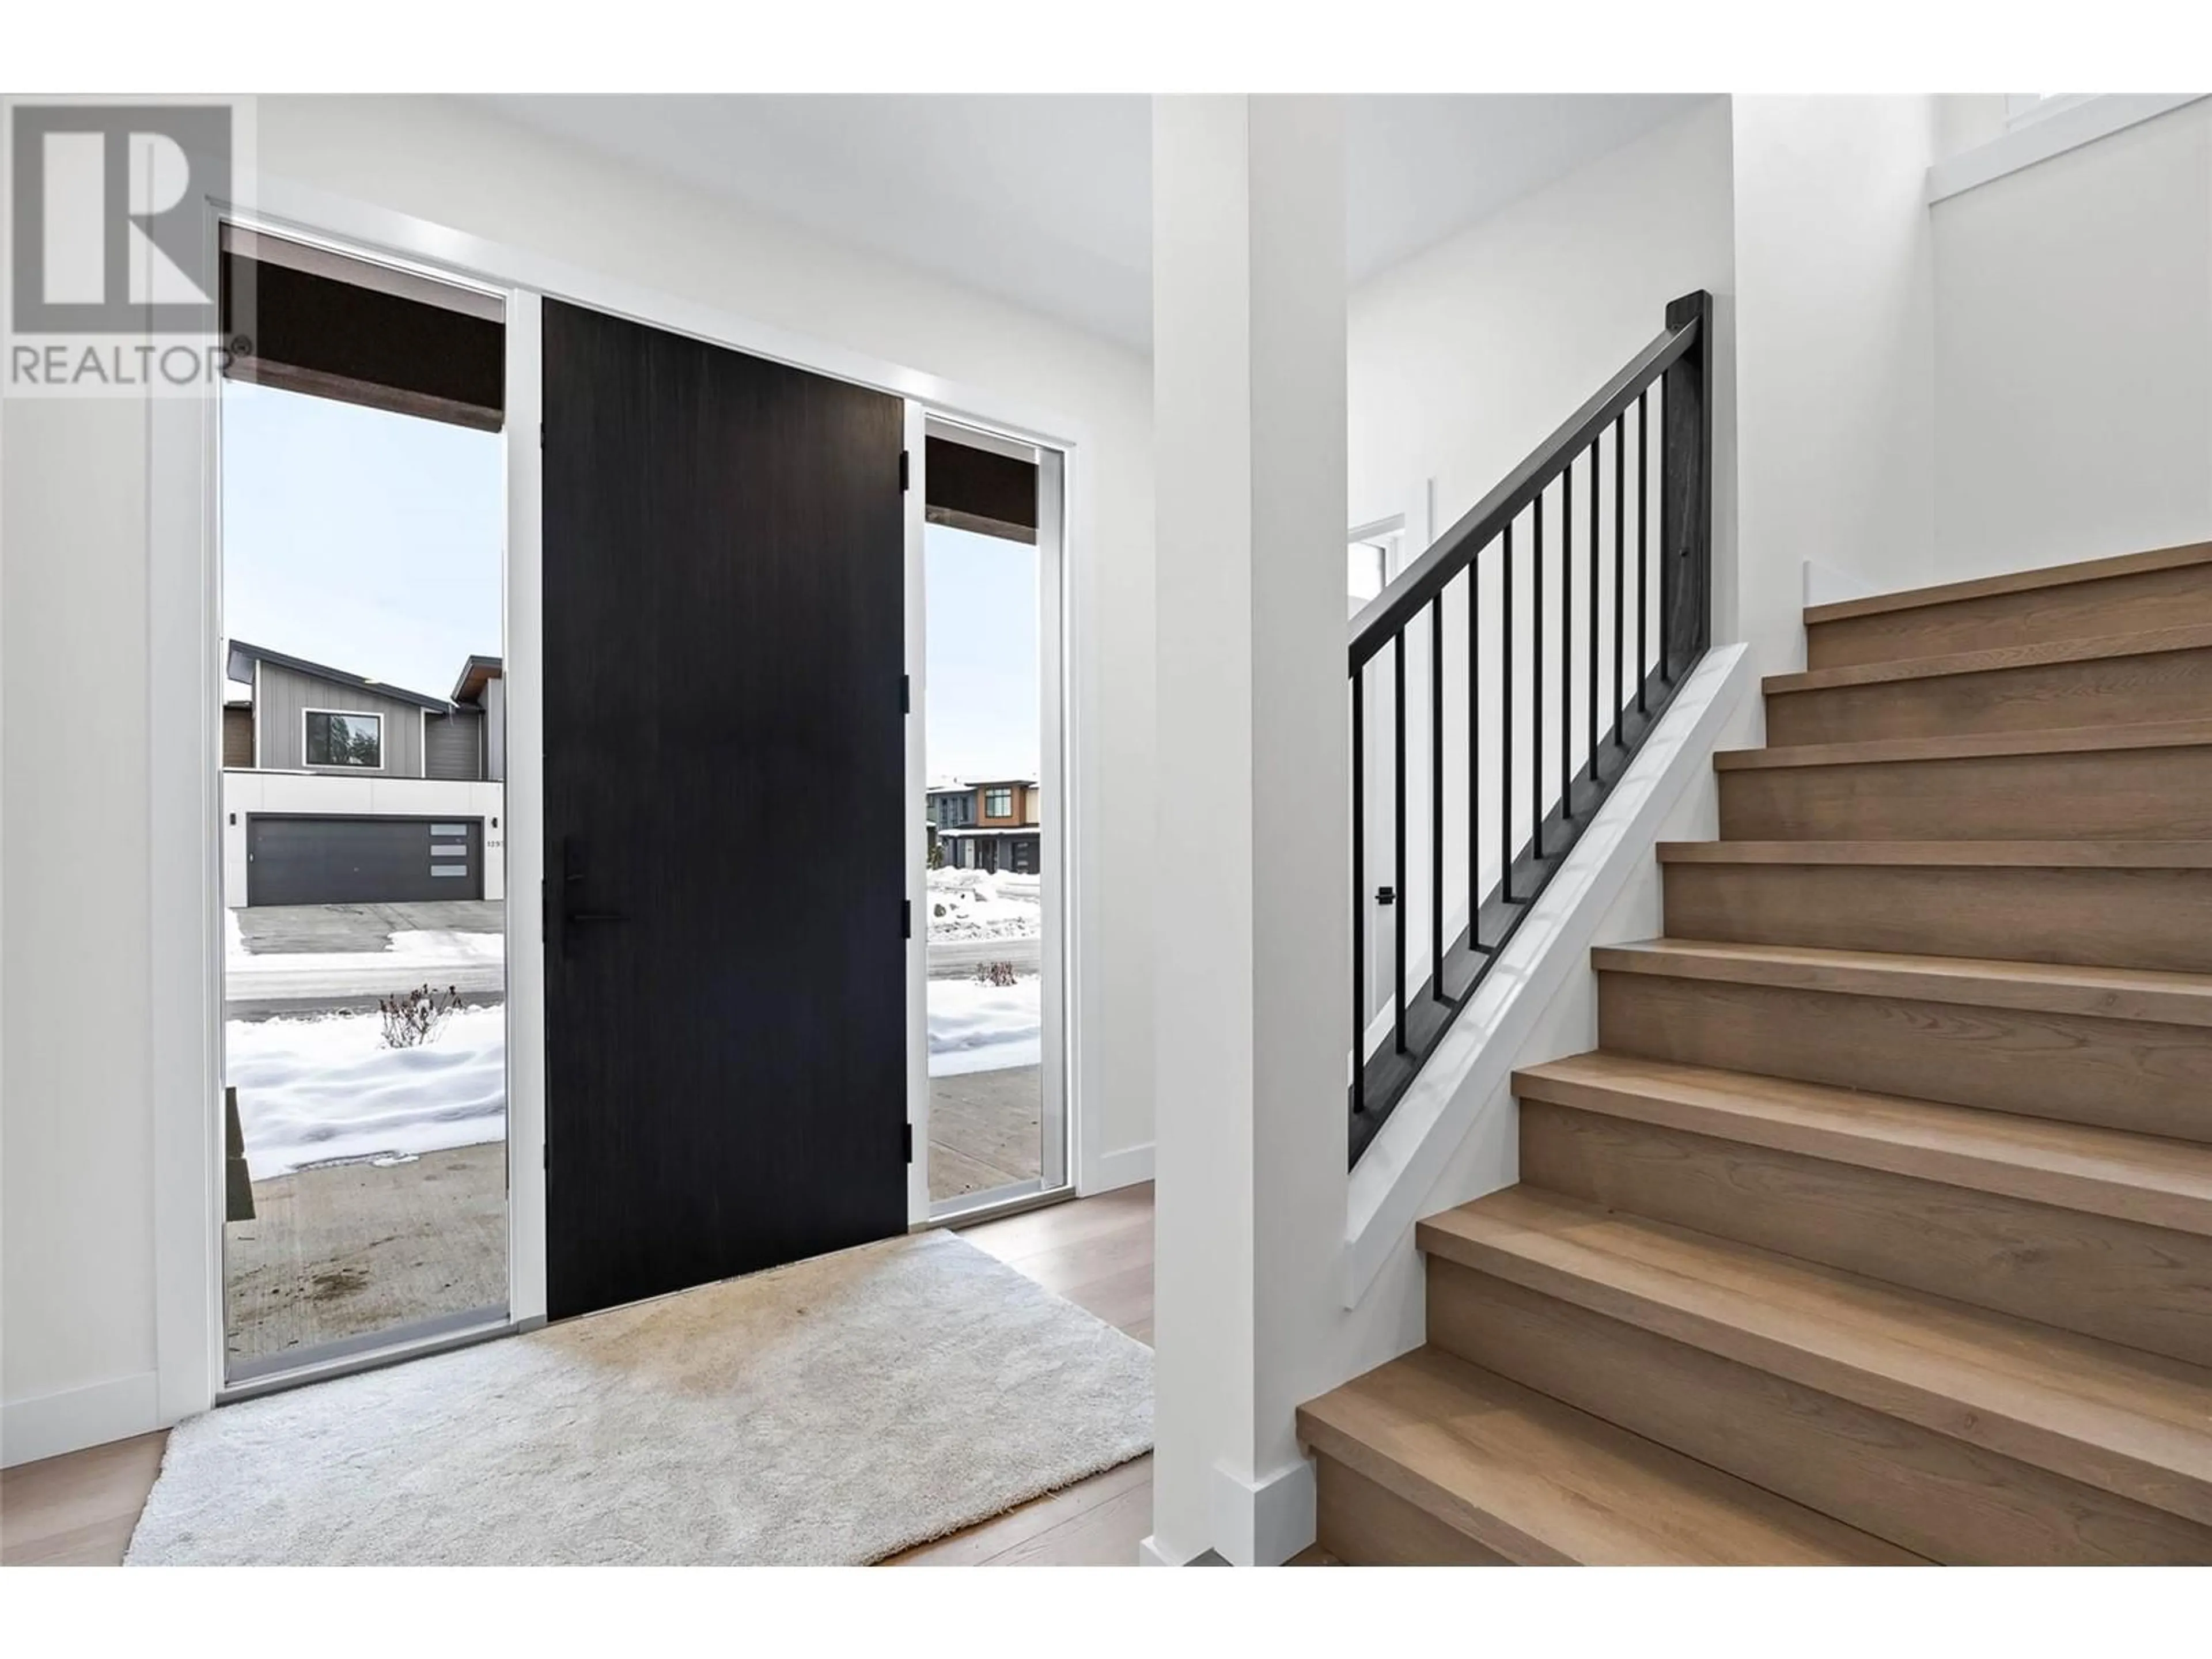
<point>412,1019</point>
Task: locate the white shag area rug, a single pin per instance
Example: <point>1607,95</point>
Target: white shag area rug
<point>835,1411</point>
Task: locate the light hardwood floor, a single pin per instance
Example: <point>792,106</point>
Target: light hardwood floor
<point>1097,1252</point>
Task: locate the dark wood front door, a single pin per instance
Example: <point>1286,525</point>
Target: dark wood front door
<point>726,1006</point>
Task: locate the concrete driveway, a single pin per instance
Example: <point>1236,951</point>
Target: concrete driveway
<point>289,930</point>
<point>296,958</point>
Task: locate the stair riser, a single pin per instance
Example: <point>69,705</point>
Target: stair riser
<point>1927,1491</point>
<point>2145,1287</point>
<point>2131,794</point>
<point>2125,1074</point>
<point>1364,1524</point>
<point>2107,918</point>
<point>2168,685</point>
<point>2078,611</point>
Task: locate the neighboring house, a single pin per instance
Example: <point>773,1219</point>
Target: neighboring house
<point>990,824</point>
<point>339,788</point>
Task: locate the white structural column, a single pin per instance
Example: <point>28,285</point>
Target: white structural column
<point>1253,984</point>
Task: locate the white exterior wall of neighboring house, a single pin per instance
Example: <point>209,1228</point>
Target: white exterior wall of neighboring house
<point>245,793</point>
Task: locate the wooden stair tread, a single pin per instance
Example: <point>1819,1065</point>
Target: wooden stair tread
<point>2146,642</point>
<point>2139,994</point>
<point>2062,741</point>
<point>2025,855</point>
<point>2112,1172</point>
<point>2116,1417</point>
<point>2017,581</point>
<point>1539,1482</point>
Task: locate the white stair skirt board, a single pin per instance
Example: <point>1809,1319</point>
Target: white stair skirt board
<point>835,1411</point>
<point>1392,1185</point>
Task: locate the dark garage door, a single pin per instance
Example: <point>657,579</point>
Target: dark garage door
<point>326,860</point>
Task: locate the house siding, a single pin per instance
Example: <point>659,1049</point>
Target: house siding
<point>285,694</point>
<point>238,737</point>
<point>454,745</point>
<point>495,749</point>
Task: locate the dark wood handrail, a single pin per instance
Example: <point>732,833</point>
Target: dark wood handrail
<point>1380,619</point>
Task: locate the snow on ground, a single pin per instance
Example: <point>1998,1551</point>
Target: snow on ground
<point>469,961</point>
<point>983,1027</point>
<point>322,1088</point>
<point>976,904</point>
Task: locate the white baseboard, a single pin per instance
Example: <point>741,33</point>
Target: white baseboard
<point>67,1422</point>
<point>1393,1180</point>
<point>1123,1167</point>
<point>1150,1553</point>
<point>1263,1523</point>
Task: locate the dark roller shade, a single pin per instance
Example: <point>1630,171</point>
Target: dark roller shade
<point>305,331</point>
<point>980,490</point>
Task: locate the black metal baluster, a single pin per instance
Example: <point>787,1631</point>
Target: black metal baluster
<point>1643,563</point>
<point>1473,772</point>
<point>1620,566</point>
<point>1505,732</point>
<point>1398,833</point>
<point>1536,692</point>
<point>1358,889</point>
<point>1567,647</point>
<point>1589,709</point>
<point>1436,798</point>
<point>1666,522</point>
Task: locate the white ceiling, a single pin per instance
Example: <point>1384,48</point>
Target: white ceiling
<point>1045,200</point>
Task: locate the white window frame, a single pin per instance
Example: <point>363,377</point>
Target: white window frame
<point>306,764</point>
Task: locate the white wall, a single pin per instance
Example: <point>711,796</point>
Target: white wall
<point>2072,367</point>
<point>1464,358</point>
<point>1834,352</point>
<point>75,1130</point>
<point>77,1210</point>
<point>245,793</point>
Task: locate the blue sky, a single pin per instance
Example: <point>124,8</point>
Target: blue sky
<point>371,542</point>
<point>984,695</point>
<point>363,540</point>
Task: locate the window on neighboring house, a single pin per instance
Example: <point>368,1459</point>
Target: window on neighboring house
<point>335,739</point>
<point>998,802</point>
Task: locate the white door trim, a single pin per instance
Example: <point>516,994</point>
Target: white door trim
<point>184,690</point>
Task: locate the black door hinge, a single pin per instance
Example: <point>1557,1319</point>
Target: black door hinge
<point>906,918</point>
<point>909,1143</point>
<point>906,470</point>
<point>906,694</point>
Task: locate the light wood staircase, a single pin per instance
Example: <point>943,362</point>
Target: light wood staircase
<point>1879,1227</point>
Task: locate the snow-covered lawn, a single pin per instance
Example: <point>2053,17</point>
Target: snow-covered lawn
<point>323,1087</point>
<point>983,1027</point>
<point>975,904</point>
